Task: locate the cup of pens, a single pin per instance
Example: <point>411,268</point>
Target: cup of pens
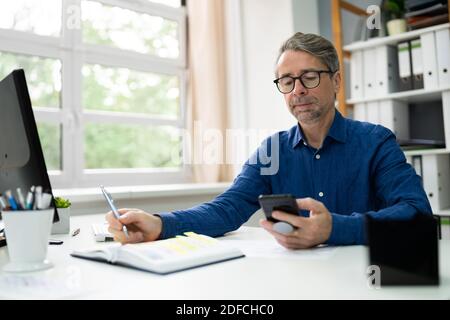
<point>27,233</point>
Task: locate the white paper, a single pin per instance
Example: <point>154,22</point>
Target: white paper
<point>37,286</point>
<point>272,249</point>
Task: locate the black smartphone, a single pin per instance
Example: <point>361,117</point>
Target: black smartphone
<point>282,202</point>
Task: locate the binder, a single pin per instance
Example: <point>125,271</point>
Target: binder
<point>372,114</point>
<point>387,77</point>
<point>416,162</point>
<point>359,112</point>
<point>356,75</point>
<point>409,159</point>
<point>370,68</point>
<point>436,180</point>
<point>417,64</point>
<point>404,66</point>
<point>394,115</point>
<point>446,116</point>
<point>443,56</point>
<point>429,58</point>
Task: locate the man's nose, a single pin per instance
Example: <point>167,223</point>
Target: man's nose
<point>299,89</point>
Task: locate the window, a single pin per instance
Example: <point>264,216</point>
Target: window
<point>107,80</point>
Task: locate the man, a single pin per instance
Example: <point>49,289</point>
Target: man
<point>339,169</point>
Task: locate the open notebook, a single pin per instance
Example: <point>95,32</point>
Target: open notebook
<point>165,256</point>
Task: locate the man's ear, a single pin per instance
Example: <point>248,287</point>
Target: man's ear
<point>337,81</point>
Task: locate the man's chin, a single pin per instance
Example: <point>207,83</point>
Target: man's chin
<point>306,116</point>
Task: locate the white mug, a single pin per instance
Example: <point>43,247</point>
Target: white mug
<point>27,235</point>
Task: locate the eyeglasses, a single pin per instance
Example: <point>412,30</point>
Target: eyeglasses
<point>309,79</point>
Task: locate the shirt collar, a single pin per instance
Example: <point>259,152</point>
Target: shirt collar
<point>337,131</point>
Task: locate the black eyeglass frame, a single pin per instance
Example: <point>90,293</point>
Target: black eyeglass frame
<point>276,81</point>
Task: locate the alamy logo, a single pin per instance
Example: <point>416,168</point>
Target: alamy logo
<point>374,273</point>
<point>373,21</point>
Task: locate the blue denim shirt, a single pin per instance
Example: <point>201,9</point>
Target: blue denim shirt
<point>359,170</point>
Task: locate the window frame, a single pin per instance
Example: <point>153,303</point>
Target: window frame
<point>73,54</point>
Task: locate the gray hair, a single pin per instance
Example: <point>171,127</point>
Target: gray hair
<point>315,45</point>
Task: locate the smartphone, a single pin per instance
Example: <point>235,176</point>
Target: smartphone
<point>281,202</point>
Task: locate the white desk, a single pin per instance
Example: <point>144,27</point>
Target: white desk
<point>339,273</point>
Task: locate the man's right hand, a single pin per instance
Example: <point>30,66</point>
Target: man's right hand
<point>141,226</point>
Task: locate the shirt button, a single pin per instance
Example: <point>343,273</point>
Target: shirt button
<point>321,194</point>
<point>305,143</point>
<point>317,156</point>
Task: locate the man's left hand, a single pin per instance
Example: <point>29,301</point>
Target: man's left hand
<point>309,232</point>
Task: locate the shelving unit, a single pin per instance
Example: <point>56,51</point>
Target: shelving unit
<point>394,39</point>
<point>422,113</point>
<point>412,96</point>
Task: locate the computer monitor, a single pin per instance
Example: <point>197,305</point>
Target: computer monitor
<point>22,163</point>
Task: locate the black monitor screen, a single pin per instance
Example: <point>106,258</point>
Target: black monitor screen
<point>22,163</point>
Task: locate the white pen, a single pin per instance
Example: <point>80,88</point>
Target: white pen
<point>38,198</point>
<point>29,201</point>
<point>3,205</point>
<point>46,199</point>
<point>21,198</point>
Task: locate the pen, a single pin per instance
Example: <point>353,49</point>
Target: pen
<point>76,232</point>
<point>37,198</point>
<point>20,198</point>
<point>12,201</point>
<point>3,205</point>
<point>46,199</point>
<point>110,201</point>
<point>29,201</point>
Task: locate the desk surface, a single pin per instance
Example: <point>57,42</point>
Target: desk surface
<point>324,273</point>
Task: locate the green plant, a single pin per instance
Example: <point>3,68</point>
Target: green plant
<point>62,203</point>
<point>394,9</point>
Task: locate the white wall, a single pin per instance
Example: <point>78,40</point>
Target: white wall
<point>255,31</point>
<point>306,16</point>
<point>266,24</point>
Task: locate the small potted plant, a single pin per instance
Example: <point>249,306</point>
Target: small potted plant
<point>63,209</point>
<point>394,11</point>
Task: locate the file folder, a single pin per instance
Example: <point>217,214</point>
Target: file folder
<point>370,68</point>
<point>417,64</point>
<point>429,58</point>
<point>359,112</point>
<point>416,162</point>
<point>404,66</point>
<point>394,115</point>
<point>446,115</point>
<point>436,180</point>
<point>387,77</point>
<point>356,75</point>
<point>372,112</point>
<point>443,56</point>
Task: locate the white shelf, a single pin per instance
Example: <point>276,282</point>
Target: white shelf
<point>443,212</point>
<point>426,151</point>
<point>394,39</point>
<point>410,96</point>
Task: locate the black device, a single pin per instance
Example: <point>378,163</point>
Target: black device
<point>281,202</point>
<point>405,251</point>
<point>22,163</point>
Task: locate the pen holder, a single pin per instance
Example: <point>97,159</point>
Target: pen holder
<point>27,234</point>
<point>63,225</point>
